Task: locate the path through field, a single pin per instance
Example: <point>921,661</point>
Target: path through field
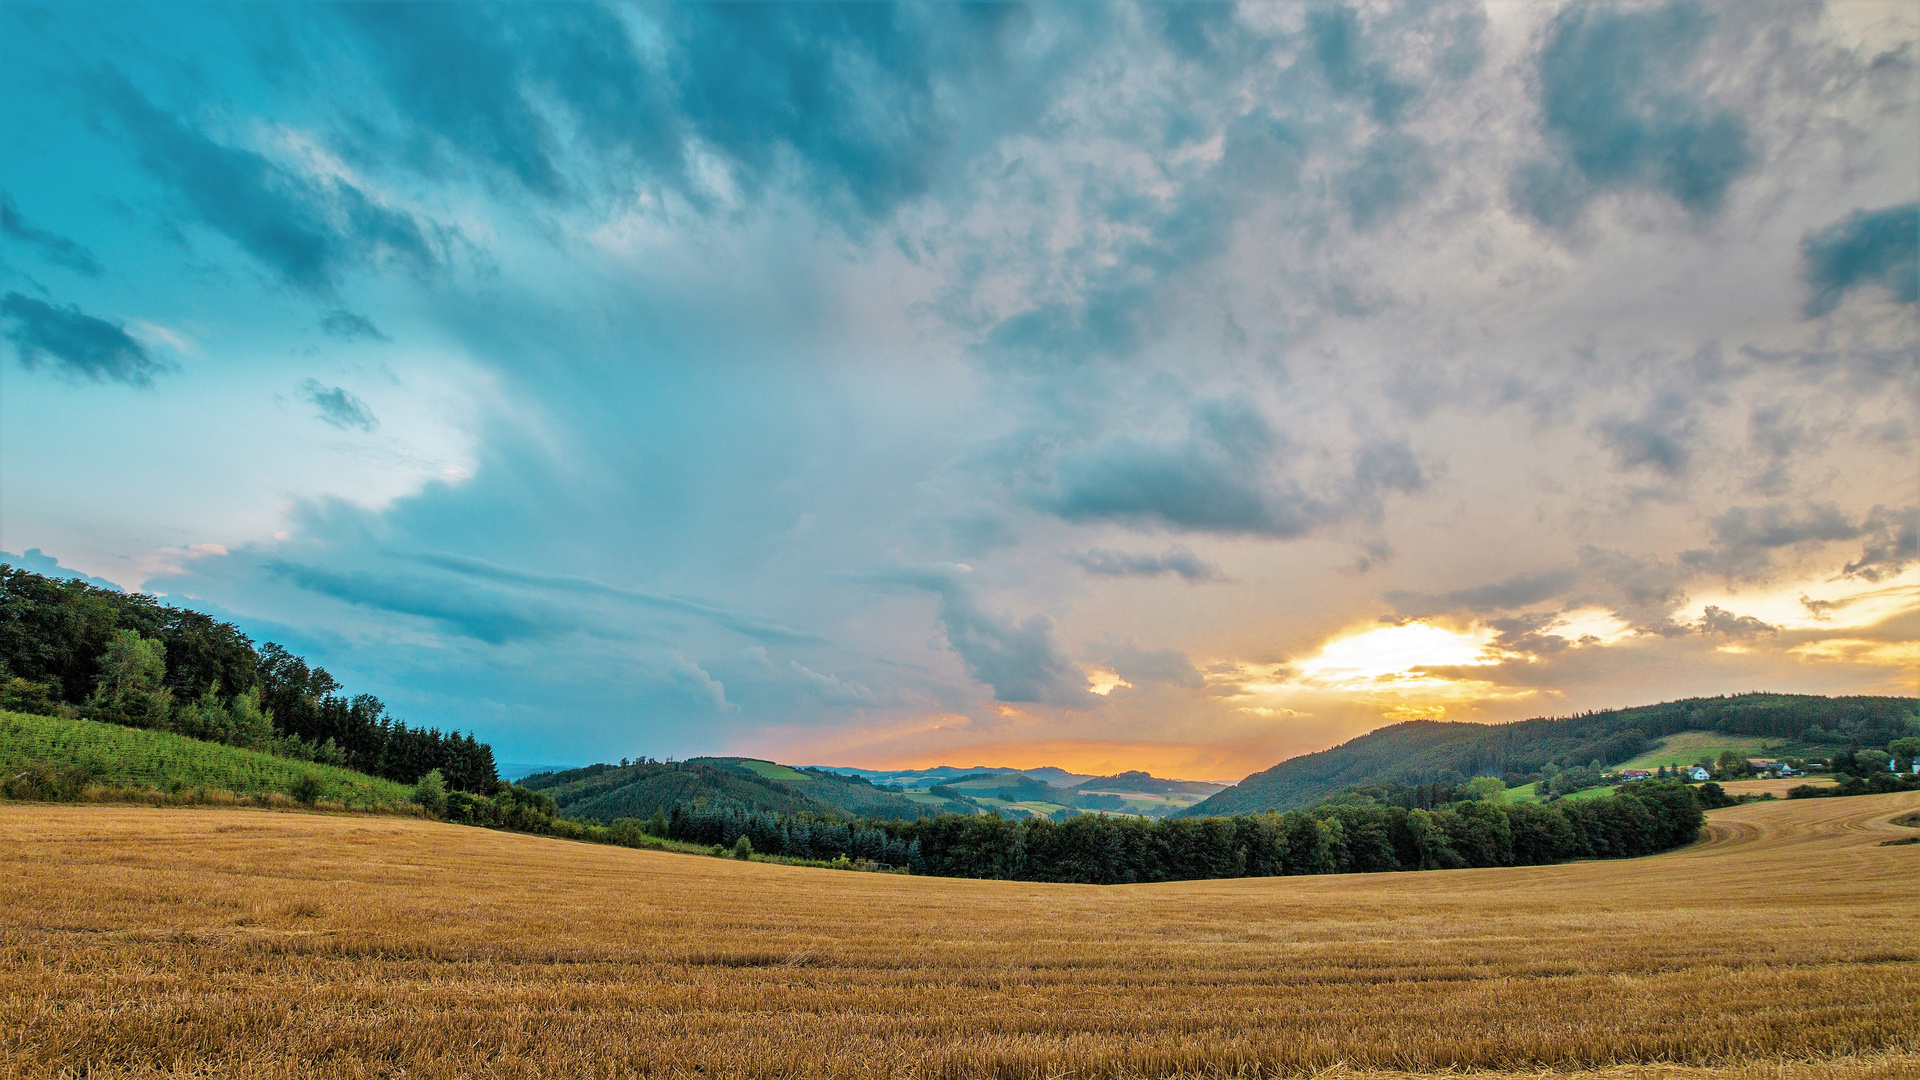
<point>176,942</point>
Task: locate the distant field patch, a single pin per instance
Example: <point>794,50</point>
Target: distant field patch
<point>1531,793</point>
<point>773,771</point>
<point>1690,746</point>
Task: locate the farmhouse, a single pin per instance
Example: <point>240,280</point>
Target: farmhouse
<point>1695,772</point>
<point>1628,776</point>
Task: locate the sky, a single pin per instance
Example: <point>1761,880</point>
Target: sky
<point>1177,387</point>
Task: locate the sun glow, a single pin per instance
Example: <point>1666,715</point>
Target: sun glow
<point>1396,657</point>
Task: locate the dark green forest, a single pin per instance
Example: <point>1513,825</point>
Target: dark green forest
<point>70,648</point>
<point>1427,751</point>
<point>1355,834</point>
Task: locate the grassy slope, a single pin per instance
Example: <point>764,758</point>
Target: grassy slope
<point>1421,750</point>
<point>129,757</point>
<point>1691,746</point>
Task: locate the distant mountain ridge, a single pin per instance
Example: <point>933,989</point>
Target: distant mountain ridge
<point>1428,751</point>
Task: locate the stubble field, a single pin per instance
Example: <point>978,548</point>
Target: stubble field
<point>172,942</point>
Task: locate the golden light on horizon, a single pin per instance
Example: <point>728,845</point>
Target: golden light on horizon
<point>1395,657</point>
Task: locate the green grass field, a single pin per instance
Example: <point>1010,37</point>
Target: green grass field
<point>1690,746</point>
<point>129,757</point>
<point>773,771</point>
<point>1531,793</point>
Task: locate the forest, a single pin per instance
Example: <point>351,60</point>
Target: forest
<point>1353,834</point>
<point>68,648</point>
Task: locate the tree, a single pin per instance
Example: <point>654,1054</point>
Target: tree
<point>1731,766</point>
<point>1904,752</point>
<point>130,688</point>
<point>431,793</point>
<point>743,848</point>
<point>1485,789</point>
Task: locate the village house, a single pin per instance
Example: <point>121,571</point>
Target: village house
<point>1696,773</point>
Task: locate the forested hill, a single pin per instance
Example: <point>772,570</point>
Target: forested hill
<point>72,649</point>
<point>637,790</point>
<point>1426,751</point>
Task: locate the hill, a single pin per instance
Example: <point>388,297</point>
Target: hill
<point>68,648</point>
<point>605,792</point>
<point>74,753</point>
<point>1426,751</point>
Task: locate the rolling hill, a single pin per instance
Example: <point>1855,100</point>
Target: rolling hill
<point>605,792</point>
<point>1426,751</point>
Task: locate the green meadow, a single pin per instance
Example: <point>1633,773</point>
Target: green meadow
<point>133,758</point>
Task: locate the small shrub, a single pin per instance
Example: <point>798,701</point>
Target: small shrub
<point>431,793</point>
<point>307,790</point>
<point>743,848</point>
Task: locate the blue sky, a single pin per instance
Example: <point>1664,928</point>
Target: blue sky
<point>1174,387</point>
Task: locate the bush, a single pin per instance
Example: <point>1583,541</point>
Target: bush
<point>743,848</point>
<point>306,790</point>
<point>431,793</point>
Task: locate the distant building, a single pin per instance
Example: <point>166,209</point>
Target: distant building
<point>1695,772</point>
<point>1628,776</point>
<point>1768,767</point>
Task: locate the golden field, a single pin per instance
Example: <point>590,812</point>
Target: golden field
<point>176,942</point>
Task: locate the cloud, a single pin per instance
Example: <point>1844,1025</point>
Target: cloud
<point>1893,542</point>
<point>1660,437</point>
<point>1137,665</point>
<point>489,617</point>
<point>1178,559</point>
<point>1520,591</point>
<point>1738,627</point>
<point>1392,171</point>
<point>751,626</point>
<point>855,105</point>
<point>1619,114</point>
<point>1223,477</point>
<point>310,231</point>
<point>1021,660</point>
<point>76,342</point>
<point>52,246</point>
<point>1744,538</point>
<point>338,407</point>
<point>1867,247</point>
<point>347,326</point>
<point>47,566</point>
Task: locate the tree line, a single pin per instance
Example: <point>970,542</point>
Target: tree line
<point>1350,834</point>
<point>74,649</point>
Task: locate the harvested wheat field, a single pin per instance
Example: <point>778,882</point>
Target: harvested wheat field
<point>175,942</point>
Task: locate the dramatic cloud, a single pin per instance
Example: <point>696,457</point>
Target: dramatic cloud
<point>1178,559</point>
<point>1867,247</point>
<point>52,246</point>
<point>338,407</point>
<point>856,382</point>
<point>1619,112</point>
<point>1226,476</point>
<point>1744,538</point>
<point>1137,665</point>
<point>76,342</point>
<point>1738,627</point>
<point>309,230</point>
<point>1021,659</point>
